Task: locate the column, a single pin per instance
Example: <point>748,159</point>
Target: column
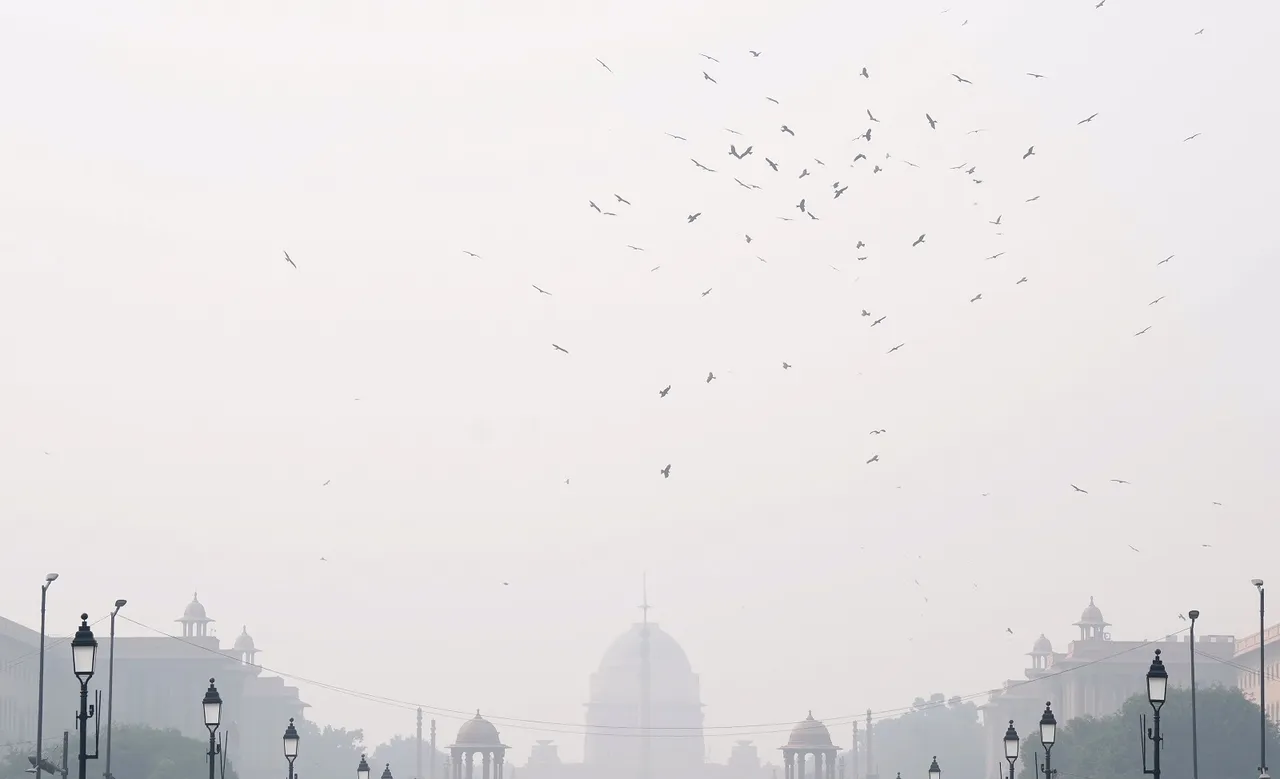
<point>498,765</point>
<point>786,765</point>
<point>831,769</point>
<point>488,760</point>
<point>471,765</point>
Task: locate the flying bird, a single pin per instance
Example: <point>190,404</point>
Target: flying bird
<point>591,203</point>
<point>709,78</point>
<point>772,164</point>
<point>1166,259</point>
<point>874,458</point>
<point>800,205</point>
<point>866,312</point>
<point>961,80</point>
<point>803,173</point>
<point>1191,137</point>
<point>637,248</point>
<point>1119,481</point>
<point>560,348</point>
<point>662,393</point>
<point>859,157</point>
<point>976,298</point>
<point>998,218</point>
<point>1134,548</point>
<point>708,292</point>
<point>708,56</point>
<point>1200,31</point>
<point>785,365</point>
<point>678,137</point>
<point>1030,151</point>
<point>1077,489</point>
<point>1035,75</point>
<point>877,432</point>
<point>995,256</point>
<point>1143,330</point>
<point>326,484</point>
<point>700,165</point>
<point>864,73</point>
<point>871,116</point>
<point>919,240</point>
<point>1032,199</point>
<point>754,53</point>
<point>710,377</point>
<point>606,67</point>
<point>289,260</point>
<point>772,100</point>
<point>731,130</point>
<point>1157,300</point>
<point>693,217</point>
<point>1022,280</point>
<point>1088,119</point>
<point>933,123</point>
<point>744,185</point>
<point>621,199</point>
<point>666,472</point>
<point>788,130</point>
<point>896,348</point>
<point>540,289</point>
<point>840,191</point>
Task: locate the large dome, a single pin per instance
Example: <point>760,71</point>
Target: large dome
<point>1092,615</point>
<point>194,612</point>
<point>810,733</point>
<point>478,731</point>
<point>626,653</point>
<point>244,643</point>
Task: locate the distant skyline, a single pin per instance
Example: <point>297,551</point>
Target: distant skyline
<point>183,410</point>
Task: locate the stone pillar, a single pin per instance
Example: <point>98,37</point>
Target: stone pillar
<point>787,760</point>
<point>471,765</point>
<point>487,757</point>
<point>499,762</point>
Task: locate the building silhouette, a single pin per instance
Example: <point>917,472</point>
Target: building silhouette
<point>1095,676</point>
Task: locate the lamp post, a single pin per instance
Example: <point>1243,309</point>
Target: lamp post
<point>386,772</point>
<point>1195,740</point>
<point>49,578</point>
<point>291,745</point>
<point>212,717</point>
<point>1157,686</point>
<point>111,677</point>
<point>1048,734</point>
<point>84,652</point>
<point>1262,676</point>
<point>934,771</point>
<point>1011,744</point>
<point>362,770</point>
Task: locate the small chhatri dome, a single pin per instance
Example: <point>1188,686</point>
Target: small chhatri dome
<point>244,642</point>
<point>810,733</point>
<point>478,731</point>
<point>1092,615</point>
<point>1042,646</point>
<point>195,611</point>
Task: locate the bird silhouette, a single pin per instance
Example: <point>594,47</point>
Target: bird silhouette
<point>621,199</point>
<point>693,217</point>
<point>1031,150</point>
<point>859,157</point>
<point>636,248</point>
<point>1077,489</point>
<point>606,67</point>
<point>871,116</point>
<point>864,73</point>
<point>1035,75</point>
<point>1022,280</point>
<point>472,254</point>
<point>998,218</point>
<point>709,78</point>
<point>754,53</point>
<point>803,173</point>
<point>560,348</point>
<point>785,365</point>
<point>800,205</point>
<point>875,458</point>
<point>662,393</point>
<point>1157,300</point>
<point>1166,259</point>
<point>878,432</point>
<point>289,260</point>
<point>592,204</point>
<point>700,165</point>
<point>896,348</point>
<point>1119,481</point>
<point>1087,119</point>
<point>666,472</point>
<point>788,131</point>
<point>678,137</point>
<point>772,100</point>
<point>772,164</point>
<point>708,56</point>
<point>841,191</point>
<point>1143,330</point>
<point>1032,199</point>
<point>540,289</point>
<point>960,79</point>
<point>976,298</point>
<point>919,240</point>
<point>710,377</point>
<point>933,123</point>
<point>707,292</point>
<point>1191,137</point>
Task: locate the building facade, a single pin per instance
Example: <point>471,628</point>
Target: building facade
<point>1095,676</point>
<point>1247,676</point>
<point>159,683</point>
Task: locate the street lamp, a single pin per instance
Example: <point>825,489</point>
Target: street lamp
<point>1011,745</point>
<point>1195,740</point>
<point>291,745</point>
<point>1262,676</point>
<point>84,652</point>
<point>934,771</point>
<point>49,578</point>
<point>1157,686</point>
<point>386,772</point>
<point>212,717</point>
<point>111,677</point>
<point>1048,734</point>
<point>362,770</point>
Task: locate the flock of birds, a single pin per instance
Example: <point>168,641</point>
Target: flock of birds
<point>862,159</point>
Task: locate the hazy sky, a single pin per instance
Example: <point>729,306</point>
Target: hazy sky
<point>193,392</point>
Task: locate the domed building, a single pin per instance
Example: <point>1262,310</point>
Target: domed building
<point>477,738</point>
<point>644,657</point>
<point>810,745</point>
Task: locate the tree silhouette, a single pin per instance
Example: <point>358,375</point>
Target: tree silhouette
<point>1109,747</point>
<point>137,752</point>
<point>329,753</point>
<point>949,729</point>
<point>402,753</point>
